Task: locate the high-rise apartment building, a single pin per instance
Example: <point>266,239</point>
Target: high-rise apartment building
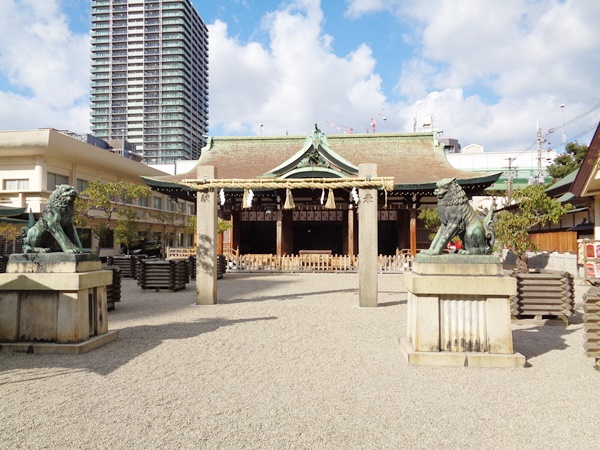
<point>150,77</point>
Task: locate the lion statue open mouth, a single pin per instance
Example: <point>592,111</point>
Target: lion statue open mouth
<point>54,231</point>
<point>460,219</point>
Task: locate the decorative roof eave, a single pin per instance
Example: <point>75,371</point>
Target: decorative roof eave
<point>479,182</point>
<point>10,211</point>
<point>168,187</point>
<point>176,189</point>
<point>13,221</point>
<point>313,172</point>
<point>318,143</point>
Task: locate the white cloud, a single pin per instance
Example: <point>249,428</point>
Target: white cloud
<point>295,82</point>
<point>486,71</point>
<point>46,63</point>
<point>357,8</point>
<point>489,71</point>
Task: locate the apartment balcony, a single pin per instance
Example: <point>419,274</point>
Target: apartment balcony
<point>100,22</point>
<point>98,11</point>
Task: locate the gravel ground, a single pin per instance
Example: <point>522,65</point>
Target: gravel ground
<point>290,361</point>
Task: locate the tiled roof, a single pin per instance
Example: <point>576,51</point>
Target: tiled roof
<point>411,158</point>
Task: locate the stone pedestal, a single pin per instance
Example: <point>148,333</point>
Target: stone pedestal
<point>459,312</point>
<point>54,303</point>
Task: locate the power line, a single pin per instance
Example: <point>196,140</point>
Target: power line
<point>569,122</point>
<point>579,117</point>
<point>583,133</point>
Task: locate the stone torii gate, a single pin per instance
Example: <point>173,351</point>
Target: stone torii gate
<point>207,184</point>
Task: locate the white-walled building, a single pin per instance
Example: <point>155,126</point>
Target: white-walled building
<point>519,167</point>
<point>33,162</point>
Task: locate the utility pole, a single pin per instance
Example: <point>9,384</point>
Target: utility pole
<point>509,180</point>
<point>539,141</point>
<point>564,137</point>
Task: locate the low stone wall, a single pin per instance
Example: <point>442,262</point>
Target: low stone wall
<point>554,261</point>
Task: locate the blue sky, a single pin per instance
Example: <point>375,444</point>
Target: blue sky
<point>483,71</point>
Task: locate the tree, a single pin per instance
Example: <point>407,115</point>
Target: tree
<point>567,162</point>
<point>126,231</point>
<point>100,202</point>
<point>9,232</point>
<point>534,208</point>
<point>166,219</point>
<point>223,225</point>
<point>431,220</point>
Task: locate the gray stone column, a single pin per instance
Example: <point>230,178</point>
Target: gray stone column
<point>367,240</point>
<point>206,240</point>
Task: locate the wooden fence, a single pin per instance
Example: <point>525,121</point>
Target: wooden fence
<point>317,262</point>
<point>556,241</point>
<point>313,263</point>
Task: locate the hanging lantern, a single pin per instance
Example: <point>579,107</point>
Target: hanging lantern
<point>289,200</point>
<point>330,200</point>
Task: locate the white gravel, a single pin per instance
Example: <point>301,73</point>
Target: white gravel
<point>290,361</point>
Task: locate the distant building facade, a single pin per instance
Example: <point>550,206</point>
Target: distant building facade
<point>450,145</point>
<point>150,77</point>
<point>518,168</point>
<point>34,162</point>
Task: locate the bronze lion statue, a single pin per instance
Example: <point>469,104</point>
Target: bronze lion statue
<point>460,219</point>
<point>54,231</point>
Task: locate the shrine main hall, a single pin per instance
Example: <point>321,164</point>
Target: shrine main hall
<point>285,195</point>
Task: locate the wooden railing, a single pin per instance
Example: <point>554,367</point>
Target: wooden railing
<point>313,263</point>
<point>305,262</point>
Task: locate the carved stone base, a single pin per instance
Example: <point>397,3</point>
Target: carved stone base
<point>53,263</point>
<point>50,299</point>
<point>59,349</point>
<point>460,359</point>
<point>459,313</point>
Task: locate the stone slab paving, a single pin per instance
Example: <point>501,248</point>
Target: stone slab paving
<point>291,361</point>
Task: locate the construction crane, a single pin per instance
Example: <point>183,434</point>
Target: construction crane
<point>342,128</point>
<point>374,121</point>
